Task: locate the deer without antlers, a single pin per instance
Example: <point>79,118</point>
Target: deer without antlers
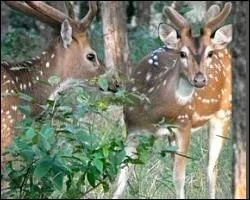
<point>69,56</point>
<point>187,82</point>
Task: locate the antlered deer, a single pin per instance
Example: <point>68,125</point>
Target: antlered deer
<point>70,56</point>
<point>187,82</point>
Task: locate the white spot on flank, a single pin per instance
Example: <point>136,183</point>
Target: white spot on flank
<point>47,64</point>
<point>150,61</point>
<point>155,57</point>
<point>7,112</point>
<point>44,52</point>
<point>138,72</point>
<point>29,84</point>
<point>164,82</point>
<point>21,86</point>
<point>53,55</point>
<point>14,108</point>
<point>37,57</point>
<point>41,73</point>
<point>148,76</point>
<point>4,76</point>
<point>156,63</point>
<point>37,78</point>
<point>12,91</point>
<point>24,86</point>
<point>16,79</point>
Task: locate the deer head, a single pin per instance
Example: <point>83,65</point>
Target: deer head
<point>70,53</point>
<point>196,53</point>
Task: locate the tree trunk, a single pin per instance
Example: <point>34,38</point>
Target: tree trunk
<point>143,13</point>
<point>115,36</point>
<point>4,18</point>
<point>239,50</point>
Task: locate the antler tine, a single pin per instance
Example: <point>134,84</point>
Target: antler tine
<point>49,11</point>
<point>85,22</point>
<point>176,18</point>
<point>26,9</point>
<point>220,18</point>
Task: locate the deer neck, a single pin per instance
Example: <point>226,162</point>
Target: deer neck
<point>31,77</point>
<point>179,86</point>
<point>183,91</point>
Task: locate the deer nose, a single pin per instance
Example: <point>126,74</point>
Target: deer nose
<point>199,80</point>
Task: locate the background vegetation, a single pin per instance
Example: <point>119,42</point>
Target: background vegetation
<point>59,156</point>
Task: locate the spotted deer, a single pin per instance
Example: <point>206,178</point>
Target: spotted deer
<point>187,83</point>
<point>69,56</point>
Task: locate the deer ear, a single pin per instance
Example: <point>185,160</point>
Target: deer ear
<point>66,33</point>
<point>223,36</point>
<point>168,36</point>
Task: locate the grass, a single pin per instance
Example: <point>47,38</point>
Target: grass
<point>154,179</point>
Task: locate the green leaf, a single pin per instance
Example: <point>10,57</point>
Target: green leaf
<point>103,83</point>
<point>58,181</point>
<point>54,80</point>
<point>25,109</point>
<point>28,154</point>
<point>26,97</point>
<point>91,178</point>
<point>43,167</point>
<point>98,164</point>
<point>29,134</point>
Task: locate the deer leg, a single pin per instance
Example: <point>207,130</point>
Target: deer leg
<point>126,170</point>
<point>182,139</point>
<point>217,127</point>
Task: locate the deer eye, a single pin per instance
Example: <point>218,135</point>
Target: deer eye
<point>183,54</point>
<point>210,54</point>
<point>91,57</point>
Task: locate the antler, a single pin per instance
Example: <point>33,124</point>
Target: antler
<point>178,20</point>
<point>52,16</point>
<point>49,11</point>
<point>26,9</point>
<point>213,23</point>
<point>85,22</point>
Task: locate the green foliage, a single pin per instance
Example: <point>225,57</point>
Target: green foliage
<point>66,152</point>
<point>19,44</point>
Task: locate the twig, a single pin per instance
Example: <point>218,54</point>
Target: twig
<point>224,137</point>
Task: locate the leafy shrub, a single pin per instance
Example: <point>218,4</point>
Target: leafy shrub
<point>67,151</point>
